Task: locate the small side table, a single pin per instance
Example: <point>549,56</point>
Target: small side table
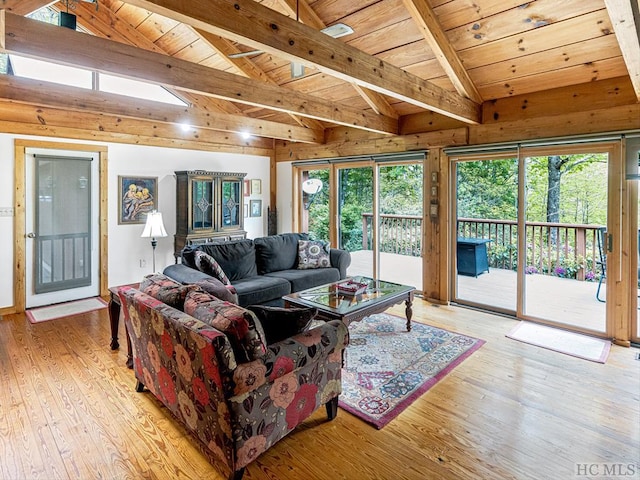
<point>472,256</point>
<point>114,320</point>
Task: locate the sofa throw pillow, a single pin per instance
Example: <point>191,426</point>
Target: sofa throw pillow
<point>166,290</point>
<point>281,323</point>
<point>219,290</point>
<point>207,264</point>
<point>313,254</point>
<point>240,325</point>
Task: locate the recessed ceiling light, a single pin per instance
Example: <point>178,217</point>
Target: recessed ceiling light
<point>245,135</point>
<point>338,30</point>
<point>185,127</point>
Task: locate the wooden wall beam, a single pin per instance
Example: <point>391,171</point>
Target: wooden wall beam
<point>30,120</point>
<point>287,151</point>
<point>560,101</point>
<point>623,117</point>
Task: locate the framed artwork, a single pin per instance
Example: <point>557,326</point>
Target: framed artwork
<point>256,186</point>
<point>255,209</point>
<point>247,188</point>
<point>137,197</point>
<point>246,210</point>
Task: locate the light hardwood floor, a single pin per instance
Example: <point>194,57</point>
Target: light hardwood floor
<point>68,410</point>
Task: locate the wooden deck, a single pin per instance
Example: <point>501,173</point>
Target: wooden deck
<point>394,268</point>
<point>566,301</point>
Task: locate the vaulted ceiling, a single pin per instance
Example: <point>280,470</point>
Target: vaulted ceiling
<point>451,59</point>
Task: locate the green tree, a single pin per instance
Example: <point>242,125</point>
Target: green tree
<point>487,189</point>
<point>567,189</point>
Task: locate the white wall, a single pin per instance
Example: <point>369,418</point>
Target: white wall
<point>126,247</point>
<point>284,197</point>
<point>7,167</point>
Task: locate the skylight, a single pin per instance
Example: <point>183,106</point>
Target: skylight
<point>137,89</point>
<point>50,72</point>
<point>78,77</point>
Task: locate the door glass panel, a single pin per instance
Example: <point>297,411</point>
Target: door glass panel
<point>355,215</point>
<point>230,203</point>
<point>62,221</point>
<point>315,210</point>
<point>566,209</point>
<point>202,206</point>
<point>486,233</point>
<point>400,227</point>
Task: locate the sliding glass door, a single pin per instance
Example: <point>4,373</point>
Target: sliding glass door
<point>355,211</point>
<point>566,221</point>
<point>486,235</point>
<point>314,214</point>
<point>400,223</point>
<point>371,207</point>
<point>532,234</point>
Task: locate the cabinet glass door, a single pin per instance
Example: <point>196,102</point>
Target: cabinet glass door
<point>202,204</point>
<point>231,198</point>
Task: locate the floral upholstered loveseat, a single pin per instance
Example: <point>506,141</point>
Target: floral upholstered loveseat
<point>236,394</point>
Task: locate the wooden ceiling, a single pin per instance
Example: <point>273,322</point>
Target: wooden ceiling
<point>454,58</point>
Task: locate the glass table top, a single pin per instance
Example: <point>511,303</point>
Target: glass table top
<point>329,298</point>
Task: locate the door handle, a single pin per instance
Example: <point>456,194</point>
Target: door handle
<point>30,235</point>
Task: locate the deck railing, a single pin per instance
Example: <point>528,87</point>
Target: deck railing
<point>401,234</point>
<point>560,249</point>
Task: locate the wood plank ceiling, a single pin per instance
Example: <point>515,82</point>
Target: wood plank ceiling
<point>404,58</point>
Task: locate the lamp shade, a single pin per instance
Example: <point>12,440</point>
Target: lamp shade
<point>154,226</point>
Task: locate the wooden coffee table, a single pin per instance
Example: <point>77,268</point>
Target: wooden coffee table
<point>332,305</point>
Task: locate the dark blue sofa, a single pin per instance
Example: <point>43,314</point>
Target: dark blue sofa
<point>262,270</point>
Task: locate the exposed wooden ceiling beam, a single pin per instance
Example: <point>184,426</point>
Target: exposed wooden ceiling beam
<point>257,26</point>
<point>625,17</point>
<point>246,67</point>
<point>24,7</point>
<point>446,55</point>
<point>300,9</point>
<point>32,38</point>
<point>35,92</point>
<point>104,23</point>
<point>30,120</point>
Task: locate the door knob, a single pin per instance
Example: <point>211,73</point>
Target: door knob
<point>31,235</point>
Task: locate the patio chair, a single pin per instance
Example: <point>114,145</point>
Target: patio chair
<point>601,261</point>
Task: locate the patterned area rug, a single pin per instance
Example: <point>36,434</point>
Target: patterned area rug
<point>387,368</point>
<point>67,309</point>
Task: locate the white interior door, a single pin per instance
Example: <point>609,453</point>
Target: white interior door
<point>62,211</point>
